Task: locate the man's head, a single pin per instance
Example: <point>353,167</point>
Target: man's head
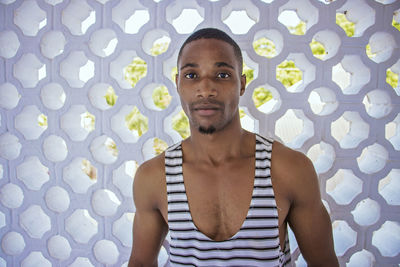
<point>212,33</point>
<point>210,81</point>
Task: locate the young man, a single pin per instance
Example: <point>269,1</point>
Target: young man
<point>225,195</point>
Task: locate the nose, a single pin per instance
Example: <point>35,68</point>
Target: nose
<point>206,88</point>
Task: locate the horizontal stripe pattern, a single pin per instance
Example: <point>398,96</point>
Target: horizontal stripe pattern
<point>257,241</point>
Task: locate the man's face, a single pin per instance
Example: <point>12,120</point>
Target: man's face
<point>209,84</point>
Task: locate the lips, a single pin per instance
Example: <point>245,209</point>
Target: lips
<point>206,109</point>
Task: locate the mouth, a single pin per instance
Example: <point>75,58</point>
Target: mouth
<point>206,109</point>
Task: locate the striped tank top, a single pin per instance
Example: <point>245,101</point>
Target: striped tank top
<point>257,241</point>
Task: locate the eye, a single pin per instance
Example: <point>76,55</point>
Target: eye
<point>190,75</point>
<point>223,75</point>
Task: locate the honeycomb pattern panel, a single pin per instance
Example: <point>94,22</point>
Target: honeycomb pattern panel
<point>87,94</point>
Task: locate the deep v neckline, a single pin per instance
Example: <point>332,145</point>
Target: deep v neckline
<point>249,210</point>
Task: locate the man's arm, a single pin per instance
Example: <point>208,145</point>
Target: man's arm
<point>149,227</point>
<point>307,215</point>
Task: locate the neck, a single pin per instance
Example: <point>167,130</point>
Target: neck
<point>230,142</point>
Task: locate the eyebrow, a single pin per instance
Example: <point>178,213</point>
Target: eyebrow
<point>224,64</point>
<point>189,65</point>
<point>218,64</point>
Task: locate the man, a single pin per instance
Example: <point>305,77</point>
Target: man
<point>225,194</point>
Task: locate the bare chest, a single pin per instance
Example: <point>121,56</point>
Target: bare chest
<point>219,198</point>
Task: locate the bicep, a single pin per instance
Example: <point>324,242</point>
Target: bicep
<point>310,221</point>
<point>149,231</point>
<point>149,227</point>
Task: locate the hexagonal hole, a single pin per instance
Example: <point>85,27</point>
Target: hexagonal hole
<point>35,257</point>
<point>344,186</point>
<point>396,19</point>
<point>135,71</point>
<point>387,239</point>
<point>11,196</point>
<point>268,43</point>
<point>373,159</point>
<point>177,125</point>
<point>367,212</point>
<point>325,44</point>
<point>240,17</point>
<point>185,19</point>
<point>344,237</point>
<point>322,155</point>
<point>52,44</point>
<point>77,122</point>
<point>103,42</point>
<point>54,148</point>
<point>130,16</point>
<point>53,96</point>
<point>123,177</point>
<point>122,228</point>
<point>57,199</point>
<point>362,258</point>
<point>10,147</point>
<point>33,173</point>
<point>80,174</point>
<point>105,202</point>
<point>12,243</point>
<point>266,99</point>
<point>380,47</point>
<point>392,132</point>
<point>377,103</point>
<point>392,77</point>
<point>156,42</point>
<point>78,16</point>
<point>9,44</point>
<point>59,247</point>
<point>297,16</point>
<point>34,221</point>
<point>349,130</point>
<point>156,96</point>
<point>323,101</point>
<point>106,252</point>
<point>29,70</point>
<point>351,75</point>
<point>30,18</point>
<point>354,17</point>
<point>81,226</point>
<point>295,73</point>
<point>129,124</point>
<point>153,147</point>
<point>102,96</point>
<point>77,69</point>
<point>9,96</point>
<point>31,122</point>
<point>292,22</point>
<point>294,128</point>
<point>104,149</point>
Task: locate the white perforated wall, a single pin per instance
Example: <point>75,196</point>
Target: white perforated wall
<point>68,154</point>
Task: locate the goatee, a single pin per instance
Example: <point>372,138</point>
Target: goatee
<point>209,130</point>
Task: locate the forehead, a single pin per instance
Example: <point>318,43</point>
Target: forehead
<point>209,50</point>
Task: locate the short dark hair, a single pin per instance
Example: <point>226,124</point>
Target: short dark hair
<point>213,33</point>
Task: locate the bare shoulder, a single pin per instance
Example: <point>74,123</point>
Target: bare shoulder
<point>294,172</point>
<point>149,185</point>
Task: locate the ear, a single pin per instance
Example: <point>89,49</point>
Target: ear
<point>242,84</point>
